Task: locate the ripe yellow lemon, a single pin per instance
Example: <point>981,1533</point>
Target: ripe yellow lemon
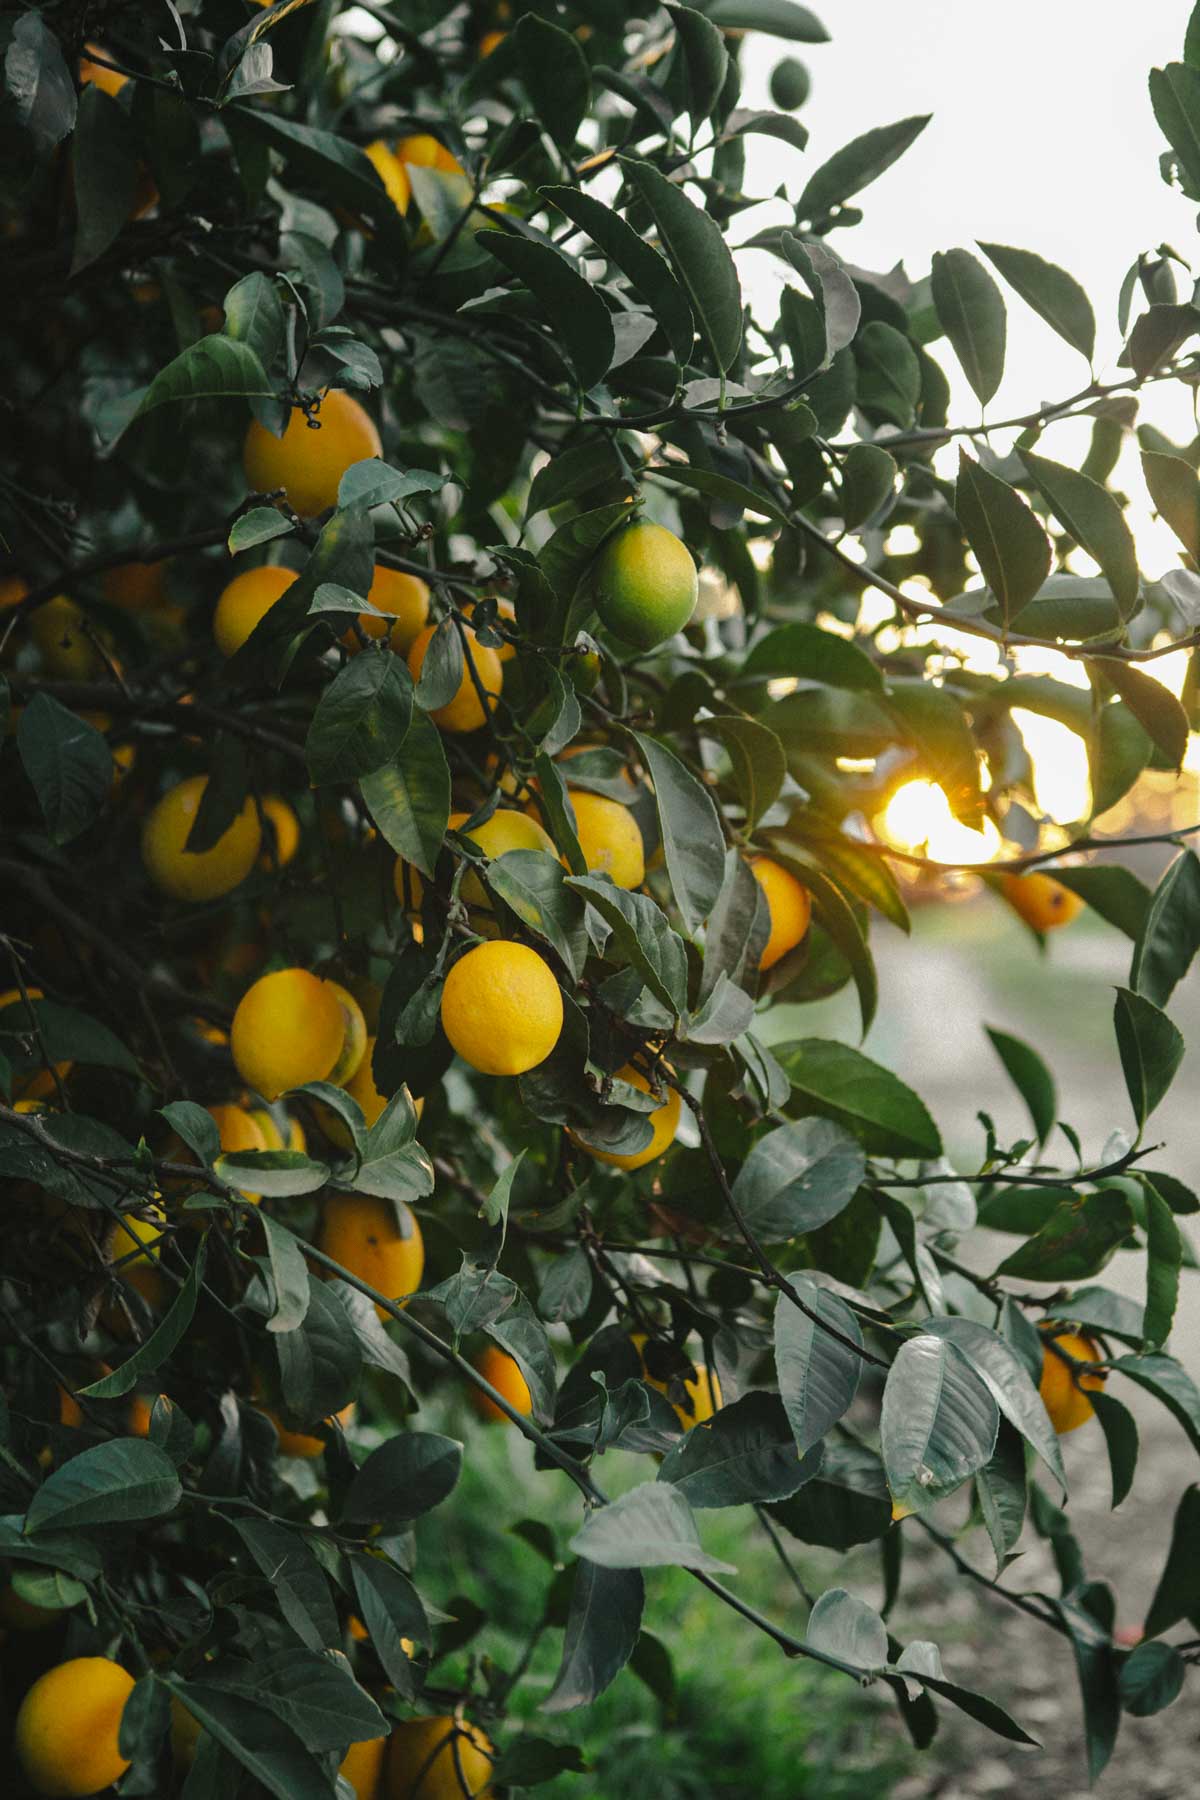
<point>363,1234</point>
<point>245,600</point>
<point>438,1759</point>
<point>354,1037</point>
<point>239,1130</point>
<point>645,585</point>
<point>110,81</point>
<point>464,712</point>
<point>308,463</point>
<point>702,1390</point>
<point>66,1731</point>
<point>136,586</point>
<point>409,887</point>
<point>391,172</point>
<point>789,905</point>
<point>503,1371</point>
<point>504,610</point>
<point>204,874</point>
<point>286,828</point>
<point>664,1123</point>
<point>272,1136</point>
<point>405,600</point>
<point>1040,900</point>
<point>42,1083</point>
<point>505,830</point>
<point>288,1029</point>
<point>425,152</point>
<point>362,1765</point>
<point>609,838</point>
<point>501,1008</point>
<point>1063,1396</point>
<point>302,1443</point>
<point>60,633</point>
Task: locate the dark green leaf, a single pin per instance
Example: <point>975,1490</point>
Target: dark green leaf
<point>555,73</point>
<point>970,308</point>
<point>280,1172</point>
<point>1092,516</point>
<point>68,763</point>
<point>258,1740</point>
<point>298,1581</point>
<point>1077,1239</point>
<point>813,654</point>
<point>1115,893</point>
<point>889,373</point>
<point>1175,491</point>
<point>333,164</point>
<point>1150,1678</point>
<point>649,273</point>
<point>721,487</point>
<point>855,166</point>
<point>646,941</point>
<point>1121,1439</point>
<point>1170,934</point>
<point>868,484</point>
<point>778,18</point>
<point>747,1455</point>
<point>408,1475</point>
<point>692,840</point>
<point>1053,294</point>
<point>1031,1078</point>
<point>409,800</point>
<point>161,1342</point>
<point>1154,706</point>
<point>114,1483</point>
<point>1175,97</point>
<point>832,289</point>
<point>649,1527</point>
<point>1164,1256</point>
<point>581,320</point>
<point>798,1177</point>
<point>840,1082</point>
<point>254,315</point>
<point>1170,1383</point>
<point>842,1625</point>
<point>939,1422</point>
<point>214,368</point>
<point>602,1629</point>
<point>361,719</point>
<point>700,257</point>
<point>258,526</point>
<point>1012,549</point>
<point>705,61</point>
<point>1178,1593</point>
<point>104,172</point>
<point>847,1503</point>
<point>818,1371</point>
<point>38,82</point>
<point>1151,1050</point>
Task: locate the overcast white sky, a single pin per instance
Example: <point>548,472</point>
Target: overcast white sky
<point>1042,136</point>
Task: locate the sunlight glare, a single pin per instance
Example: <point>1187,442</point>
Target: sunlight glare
<point>918,817</point>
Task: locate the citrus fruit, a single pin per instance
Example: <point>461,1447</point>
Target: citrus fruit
<point>701,1388</point>
<point>306,462</point>
<point>245,600</point>
<point>272,1135</point>
<point>503,1371</point>
<point>137,1422</point>
<point>302,1443</point>
<point>404,598</point>
<point>610,838</point>
<point>41,1083</point>
<point>464,711</point>
<point>409,887</point>
<point>789,905</point>
<point>135,585</point>
<point>354,1037</point>
<point>66,649</point>
<point>506,611</point>
<point>66,1730</point>
<point>109,81</point>
<point>363,1234</point>
<point>644,585</point>
<point>360,1087</point>
<point>391,172</point>
<point>1062,1391</point>
<point>288,1029</point>
<point>137,1242</point>
<point>664,1123</point>
<point>505,830</point>
<point>239,1130</point>
<point>362,1764</point>
<point>424,151</point>
<point>501,1008</point>
<point>438,1759</point>
<point>491,40</point>
<point>791,84</point>
<point>1041,901</point>
<point>204,874</point>
<point>285,827</point>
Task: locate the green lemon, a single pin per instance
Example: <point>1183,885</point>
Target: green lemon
<point>644,585</point>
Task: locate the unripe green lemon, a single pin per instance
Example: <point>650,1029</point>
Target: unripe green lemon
<point>791,84</point>
<point>645,585</point>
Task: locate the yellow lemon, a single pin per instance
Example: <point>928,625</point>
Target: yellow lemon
<point>109,81</point>
<point>286,829</point>
<point>438,1759</point>
<point>702,1390</point>
<point>505,830</point>
<point>1062,1393</point>
<point>609,838</point>
<point>503,1371</point>
<point>42,1083</point>
<point>204,874</point>
<point>506,611</point>
<point>405,600</point>
<point>66,1731</point>
<point>60,633</point>
<point>409,887</point>
<point>288,1029</point>
<point>307,462</point>
<point>302,1443</point>
<point>363,1234</point>
<point>464,711</point>
<point>501,1008</point>
<point>362,1765</point>
<point>664,1123</point>
<point>354,1037</point>
<point>789,905</point>
<point>245,600</point>
<point>391,172</point>
<point>1040,900</point>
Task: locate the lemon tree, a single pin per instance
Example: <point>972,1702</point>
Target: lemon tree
<point>477,662</point>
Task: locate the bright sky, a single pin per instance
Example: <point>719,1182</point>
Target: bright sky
<point>1042,137</point>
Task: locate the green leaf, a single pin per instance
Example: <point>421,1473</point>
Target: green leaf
<point>970,308</point>
<point>889,373</point>
<point>533,1761</point>
<point>1151,1050</point>
<point>581,321</point>
<point>578,470</point>
<point>115,1483</point>
<point>1096,1667</point>
<point>837,917</point>
<point>252,1735</point>
<point>1170,934</point>
<point>1012,550</point>
<point>1177,1595</point>
<point>978,1707</point>
<point>254,315</point>
<point>555,74</point>
<point>745,1456</point>
<point>1170,1383</point>
<point>1175,97</point>
<point>702,59</point>
<point>409,800</point>
<point>361,719</point>
<point>601,1632</point>
<point>38,82</point>
<point>798,1177</point>
<point>407,1476</point>
<point>104,173</point>
<point>842,1625</point>
<point>568,555</point>
<point>162,1341</point>
<point>649,1527</point>
<point>1154,706</point>
<point>214,368</point>
<point>839,1082</point>
<point>1077,1239</point>
<point>1175,491</point>
<point>520,1332</point>
<point>856,165</point>
<point>756,758</point>
<point>846,1503</point>
<point>700,257</point>
<point>1114,892</point>
<point>737,930</point>
<point>1150,1678</point>
<point>258,526</point>
<point>692,839</point>
<point>1121,1439</point>
<point>818,1372</point>
<point>831,287</point>
<point>279,1172</point>
<point>299,1584</point>
<point>646,941</point>
<point>1031,1078</point>
<point>778,18</point>
<point>939,1422</point>
<point>868,483</point>
<point>391,1609</point>
<point>532,884</point>
<point>1002,1372</point>
<point>813,654</point>
<point>1000,1489</point>
<point>1092,516</point>
<point>720,487</point>
<point>69,765</point>
<point>320,1361</point>
<point>649,273</point>
<point>289,1272</point>
<point>1164,1257</point>
<point>335,166</point>
<point>1054,295</point>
